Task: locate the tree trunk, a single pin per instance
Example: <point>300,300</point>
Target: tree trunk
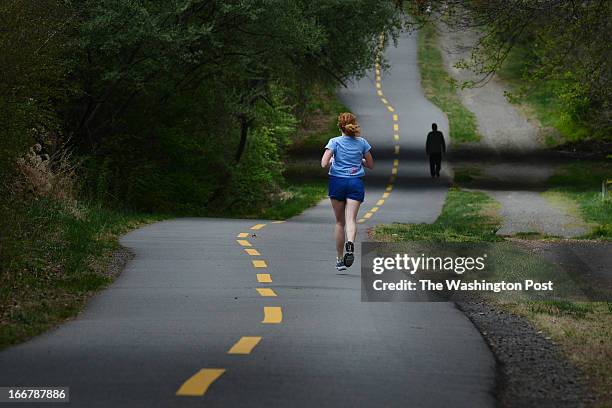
<point>244,131</point>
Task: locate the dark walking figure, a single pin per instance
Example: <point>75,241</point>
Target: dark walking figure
<point>435,148</point>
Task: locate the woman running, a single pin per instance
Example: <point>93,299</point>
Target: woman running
<point>347,154</point>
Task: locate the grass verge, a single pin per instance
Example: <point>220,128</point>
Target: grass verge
<point>54,260</point>
<point>441,89</point>
<point>581,183</point>
<point>467,216</point>
<point>583,330</point>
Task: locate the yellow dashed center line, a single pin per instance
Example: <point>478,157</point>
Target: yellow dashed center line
<point>252,251</point>
<point>272,315</point>
<point>396,136</point>
<point>245,345</point>
<point>258,226</point>
<point>259,263</point>
<point>277,222</point>
<point>266,292</point>
<point>244,242</point>
<point>198,383</point>
<point>243,235</point>
<point>264,278</point>
<point>379,92</point>
<point>361,221</point>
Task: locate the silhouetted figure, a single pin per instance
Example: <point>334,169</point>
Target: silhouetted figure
<point>435,147</point>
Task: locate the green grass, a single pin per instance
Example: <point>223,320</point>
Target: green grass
<point>581,182</point>
<point>562,307</point>
<point>466,217</point>
<point>465,174</point>
<point>53,259</point>
<point>296,199</point>
<point>440,88</point>
<point>583,332</point>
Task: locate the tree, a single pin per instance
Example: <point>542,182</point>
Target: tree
<point>567,42</point>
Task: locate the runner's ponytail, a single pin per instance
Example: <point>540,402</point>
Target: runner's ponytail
<point>347,122</point>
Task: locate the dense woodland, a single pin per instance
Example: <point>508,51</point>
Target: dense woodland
<point>164,104</point>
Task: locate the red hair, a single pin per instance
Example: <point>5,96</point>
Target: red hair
<point>347,122</point>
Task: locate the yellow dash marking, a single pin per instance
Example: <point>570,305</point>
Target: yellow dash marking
<point>272,315</point>
<point>374,209</point>
<point>396,137</point>
<point>396,149</point>
<point>267,292</point>
<point>390,108</point>
<point>386,195</point>
<point>396,162</point>
<point>378,85</point>
<point>243,235</point>
<point>361,221</point>
<point>264,278</point>
<point>367,215</point>
<point>378,78</point>
<point>259,263</point>
<point>395,118</point>
<point>278,222</point>
<point>252,251</point>
<point>245,345</point>
<point>379,92</point>
<point>377,71</point>
<point>395,127</point>
<point>380,202</point>
<point>384,101</point>
<point>198,384</point>
<point>258,226</point>
<point>394,170</point>
<point>243,242</point>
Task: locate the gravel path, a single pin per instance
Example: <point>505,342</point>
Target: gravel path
<point>502,126</point>
<point>517,186</point>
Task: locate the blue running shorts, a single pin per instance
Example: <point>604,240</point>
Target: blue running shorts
<point>341,188</point>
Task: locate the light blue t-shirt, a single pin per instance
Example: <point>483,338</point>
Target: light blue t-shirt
<point>348,152</point>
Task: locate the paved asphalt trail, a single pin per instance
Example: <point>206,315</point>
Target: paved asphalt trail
<point>190,294</point>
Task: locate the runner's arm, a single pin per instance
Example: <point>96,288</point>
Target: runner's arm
<point>368,160</point>
<point>326,159</point>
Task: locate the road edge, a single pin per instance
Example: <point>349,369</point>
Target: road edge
<point>531,370</point>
